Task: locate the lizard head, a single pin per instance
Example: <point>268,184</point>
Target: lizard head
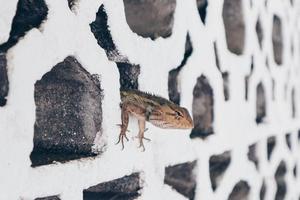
<point>171,116</point>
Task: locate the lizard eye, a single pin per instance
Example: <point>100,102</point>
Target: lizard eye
<point>178,115</point>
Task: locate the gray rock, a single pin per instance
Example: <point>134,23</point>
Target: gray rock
<point>261,110</point>
<point>150,18</point>
<point>277,40</point>
<point>271,143</point>
<point>48,198</point>
<point>280,182</point>
<point>129,75</point>
<point>217,167</point>
<point>182,178</point>
<point>252,155</point>
<point>259,32</point>
<point>240,191</point>
<point>233,18</point>
<point>202,5</point>
<point>68,113</point>
<point>203,113</point>
<point>3,80</point>
<point>125,188</point>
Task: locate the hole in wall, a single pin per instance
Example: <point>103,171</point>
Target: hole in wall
<point>247,78</point>
<point>260,103</point>
<point>182,178</point>
<point>150,18</point>
<point>203,113</point>
<point>127,187</point>
<point>271,142</point>
<point>277,40</point>
<point>173,82</point>
<point>29,14</point>
<point>280,182</point>
<point>252,155</point>
<point>288,140</point>
<point>48,198</point>
<point>259,32</point>
<point>218,164</point>
<point>68,114</point>
<point>233,18</point>
<point>240,191</point>
<point>262,192</point>
<point>202,6</point>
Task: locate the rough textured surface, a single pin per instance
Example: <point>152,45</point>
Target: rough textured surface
<point>30,14</point>
<point>48,198</point>
<point>280,182</point>
<point>217,167</point>
<point>125,188</point>
<point>128,75</point>
<point>203,113</point>
<point>100,29</point>
<point>68,113</point>
<point>271,142</point>
<point>233,18</point>
<point>277,40</point>
<point>225,77</point>
<point>260,103</point>
<point>259,32</point>
<point>202,5</point>
<point>240,191</point>
<point>150,18</point>
<point>173,87</point>
<point>252,155</point>
<point>182,178</point>
<point>3,80</point>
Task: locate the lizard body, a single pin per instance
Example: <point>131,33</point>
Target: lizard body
<point>154,109</point>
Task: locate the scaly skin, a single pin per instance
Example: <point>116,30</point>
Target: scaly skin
<point>154,109</point>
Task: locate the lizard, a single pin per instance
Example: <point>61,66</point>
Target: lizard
<point>155,109</point>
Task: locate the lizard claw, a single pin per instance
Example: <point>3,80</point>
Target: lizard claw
<point>120,125</point>
<point>121,139</point>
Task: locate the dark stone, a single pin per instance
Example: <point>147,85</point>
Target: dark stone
<point>100,29</point>
<point>68,114</point>
<point>217,56</point>
<point>293,103</point>
<point>182,178</point>
<point>233,18</point>
<point>277,39</point>
<point>259,32</point>
<point>240,191</point>
<point>225,77</point>
<point>48,198</point>
<point>280,182</point>
<point>128,75</point>
<point>288,140</point>
<point>203,113</point>
<point>202,5</point>
<point>174,94</point>
<point>260,103</point>
<point>252,155</point>
<point>263,190</point>
<point>295,171</point>
<point>3,80</point>
<point>72,3</point>
<point>29,14</point>
<point>125,188</point>
<point>247,77</point>
<point>217,167</point>
<point>150,18</point>
<point>271,142</point>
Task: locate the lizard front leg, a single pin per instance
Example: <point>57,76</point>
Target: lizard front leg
<point>142,130</point>
<point>124,125</point>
